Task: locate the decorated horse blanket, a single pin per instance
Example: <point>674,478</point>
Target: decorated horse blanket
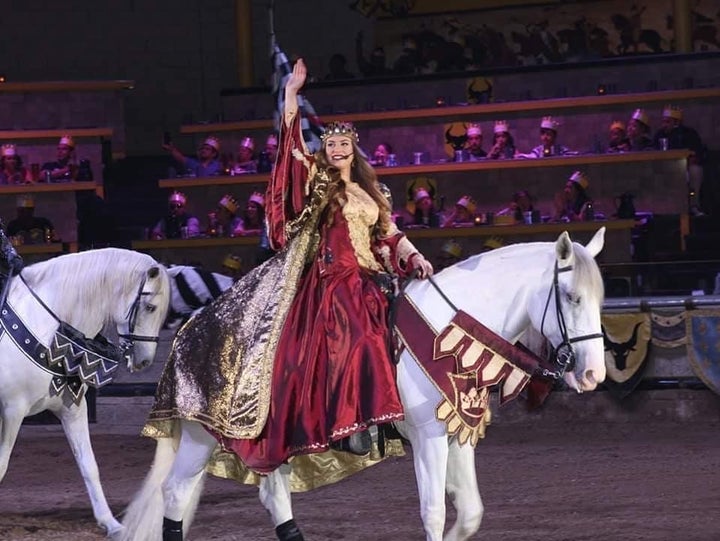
<point>464,361</point>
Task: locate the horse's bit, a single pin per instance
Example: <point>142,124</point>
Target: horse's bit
<point>563,353</point>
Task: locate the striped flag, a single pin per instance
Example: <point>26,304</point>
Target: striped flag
<point>191,289</point>
<point>310,123</point>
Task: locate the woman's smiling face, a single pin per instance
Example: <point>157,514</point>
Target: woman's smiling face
<point>339,151</point>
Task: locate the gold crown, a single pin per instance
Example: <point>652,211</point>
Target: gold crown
<point>672,111</point>
<point>340,128</point>
<point>493,242</point>
<point>580,178</point>
<point>468,203</point>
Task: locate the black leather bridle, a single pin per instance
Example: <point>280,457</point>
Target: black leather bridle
<point>127,340</point>
<point>564,354</point>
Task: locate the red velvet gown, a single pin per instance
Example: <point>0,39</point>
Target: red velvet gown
<point>332,375</point>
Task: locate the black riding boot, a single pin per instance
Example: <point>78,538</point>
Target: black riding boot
<point>172,530</point>
<point>288,531</point>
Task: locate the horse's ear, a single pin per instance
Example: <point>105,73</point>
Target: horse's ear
<point>152,272</point>
<point>597,242</point>
<point>563,246</point>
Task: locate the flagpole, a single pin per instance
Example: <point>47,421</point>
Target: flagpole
<point>243,34</point>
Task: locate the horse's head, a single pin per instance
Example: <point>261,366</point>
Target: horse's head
<point>141,315</point>
<point>566,310</point>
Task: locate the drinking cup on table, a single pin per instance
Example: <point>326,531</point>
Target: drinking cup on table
<point>663,143</point>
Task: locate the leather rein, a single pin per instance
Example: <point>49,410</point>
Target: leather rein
<point>564,354</point>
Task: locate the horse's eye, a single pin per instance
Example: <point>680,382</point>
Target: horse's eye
<point>573,299</point>
<point>150,308</point>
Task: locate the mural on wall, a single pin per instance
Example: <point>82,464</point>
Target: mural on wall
<point>406,43</point>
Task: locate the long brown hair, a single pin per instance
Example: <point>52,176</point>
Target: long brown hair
<point>364,174</point>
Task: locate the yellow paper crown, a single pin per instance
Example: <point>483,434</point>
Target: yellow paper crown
<point>9,150</point>
<point>672,111</point>
<point>578,177</point>
<point>468,203</point>
<point>177,197</point>
<point>493,242</point>
<point>340,128</point>
<point>233,262</point>
<point>549,123</point>
<point>229,202</point>
<point>26,201</point>
<point>258,198</point>
<point>474,129</point>
<point>501,126</point>
<point>67,140</point>
<point>641,116</point>
<point>213,142</point>
<point>453,248</point>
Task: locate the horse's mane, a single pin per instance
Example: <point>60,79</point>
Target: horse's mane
<point>586,272</point>
<point>80,286</point>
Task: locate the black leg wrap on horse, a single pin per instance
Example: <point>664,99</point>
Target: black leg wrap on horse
<point>172,530</point>
<point>288,531</point>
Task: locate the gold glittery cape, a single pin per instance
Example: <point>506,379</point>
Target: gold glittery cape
<point>220,367</point>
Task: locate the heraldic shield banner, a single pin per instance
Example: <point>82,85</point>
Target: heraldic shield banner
<point>626,338</point>
<point>703,330</point>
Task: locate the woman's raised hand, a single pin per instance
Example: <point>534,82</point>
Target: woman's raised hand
<point>297,77</point>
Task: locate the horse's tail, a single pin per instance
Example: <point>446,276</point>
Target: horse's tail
<point>143,518</point>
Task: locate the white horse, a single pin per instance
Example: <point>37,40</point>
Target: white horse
<point>555,288</point>
<point>88,291</point>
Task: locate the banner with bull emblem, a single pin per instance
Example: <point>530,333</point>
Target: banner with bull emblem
<point>703,330</point>
<point>626,337</point>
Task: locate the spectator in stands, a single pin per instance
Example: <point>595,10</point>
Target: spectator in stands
<point>618,140</point>
<point>11,167</point>
<point>338,69</point>
<point>474,142</point>
<point>451,252</point>
<point>62,169</point>
<point>246,162</point>
<point>462,214</point>
<point>30,228</point>
<point>232,266</point>
<point>266,158</point>
<point>571,204</point>
<point>376,66</point>
<point>252,221</point>
<point>425,214</point>
<point>207,163</point>
<point>521,203</point>
<point>177,223</point>
<point>224,222</point>
<point>638,131</point>
<point>380,156</point>
<point>548,141</point>
<point>680,136</point>
<point>503,142</point>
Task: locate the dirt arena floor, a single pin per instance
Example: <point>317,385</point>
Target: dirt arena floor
<point>654,481</point>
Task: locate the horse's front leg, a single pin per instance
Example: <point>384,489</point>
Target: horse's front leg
<point>429,441</point>
<point>181,489</point>
<point>10,422</point>
<point>463,490</point>
<point>75,425</point>
<point>275,497</point>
